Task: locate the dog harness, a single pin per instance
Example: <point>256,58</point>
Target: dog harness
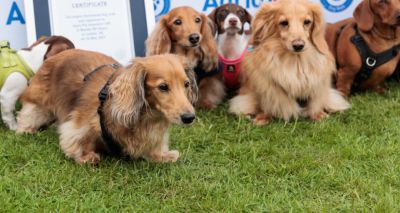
<point>230,69</point>
<point>113,148</point>
<point>370,60</point>
<point>200,73</point>
<point>11,62</point>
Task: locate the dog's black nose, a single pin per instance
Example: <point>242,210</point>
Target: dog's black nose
<point>194,38</point>
<point>298,47</point>
<point>187,118</point>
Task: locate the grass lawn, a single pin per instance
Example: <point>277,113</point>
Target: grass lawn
<point>348,162</point>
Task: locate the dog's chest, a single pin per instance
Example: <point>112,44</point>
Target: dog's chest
<point>231,46</point>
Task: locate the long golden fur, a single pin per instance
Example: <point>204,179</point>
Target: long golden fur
<point>290,64</point>
<point>144,99</point>
<point>173,34</point>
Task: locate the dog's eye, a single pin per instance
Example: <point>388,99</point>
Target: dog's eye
<point>240,13</point>
<point>163,87</point>
<point>178,22</point>
<point>197,20</point>
<point>307,22</point>
<point>187,84</point>
<point>284,23</point>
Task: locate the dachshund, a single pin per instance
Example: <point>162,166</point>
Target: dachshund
<point>288,74</point>
<point>102,107</point>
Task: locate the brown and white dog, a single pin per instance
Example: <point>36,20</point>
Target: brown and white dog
<point>188,33</point>
<point>232,40</point>
<point>289,72</point>
<point>102,107</point>
<point>375,31</point>
<point>16,82</point>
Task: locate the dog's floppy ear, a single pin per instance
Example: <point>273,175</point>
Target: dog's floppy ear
<point>208,45</point>
<point>263,24</point>
<point>248,17</point>
<point>159,41</point>
<point>364,16</point>
<point>128,94</point>
<point>213,21</point>
<point>57,44</point>
<point>318,30</point>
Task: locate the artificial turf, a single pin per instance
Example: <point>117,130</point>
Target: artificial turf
<point>348,162</point>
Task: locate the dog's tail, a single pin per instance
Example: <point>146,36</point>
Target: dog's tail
<point>245,104</point>
<point>336,102</point>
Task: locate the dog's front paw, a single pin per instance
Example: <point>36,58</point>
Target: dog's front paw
<point>13,126</point>
<point>170,156</point>
<point>206,104</point>
<point>319,116</point>
<point>380,89</point>
<point>20,130</point>
<point>261,119</point>
<point>91,158</point>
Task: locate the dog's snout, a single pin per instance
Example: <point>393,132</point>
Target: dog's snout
<point>194,38</point>
<point>187,118</point>
<point>298,45</point>
<point>233,22</point>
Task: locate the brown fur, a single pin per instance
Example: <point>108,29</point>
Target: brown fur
<point>137,113</point>
<point>275,75</point>
<point>56,44</point>
<point>378,25</point>
<point>171,38</point>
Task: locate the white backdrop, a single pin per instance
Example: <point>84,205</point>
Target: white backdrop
<point>12,23</point>
<point>13,28</point>
<point>334,10</point>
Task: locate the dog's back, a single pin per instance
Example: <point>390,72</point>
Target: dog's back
<point>60,80</point>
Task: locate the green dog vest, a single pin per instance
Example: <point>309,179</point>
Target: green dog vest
<point>11,62</point>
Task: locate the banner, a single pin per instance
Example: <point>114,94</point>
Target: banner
<point>334,10</point>
<point>12,23</point>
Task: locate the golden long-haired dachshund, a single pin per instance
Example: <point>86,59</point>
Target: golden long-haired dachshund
<point>188,33</point>
<point>101,106</point>
<point>288,74</point>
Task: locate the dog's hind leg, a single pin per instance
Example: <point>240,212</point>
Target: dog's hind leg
<point>78,143</point>
<point>32,117</point>
<point>211,92</point>
<point>12,89</point>
<point>335,102</point>
<point>245,104</point>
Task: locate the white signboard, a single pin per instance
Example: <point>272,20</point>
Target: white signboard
<point>103,26</point>
<point>334,10</point>
<point>12,23</point>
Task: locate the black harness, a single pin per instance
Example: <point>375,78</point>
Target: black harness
<point>113,148</point>
<point>201,73</point>
<point>370,60</point>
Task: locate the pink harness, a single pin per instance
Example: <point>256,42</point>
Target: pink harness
<point>230,70</point>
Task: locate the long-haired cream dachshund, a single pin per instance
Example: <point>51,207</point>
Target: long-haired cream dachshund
<point>102,107</point>
<point>289,72</point>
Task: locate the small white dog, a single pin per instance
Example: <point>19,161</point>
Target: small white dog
<point>17,67</point>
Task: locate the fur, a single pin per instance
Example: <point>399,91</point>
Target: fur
<point>16,83</point>
<point>275,75</point>
<point>138,110</point>
<point>169,37</point>
<point>378,23</point>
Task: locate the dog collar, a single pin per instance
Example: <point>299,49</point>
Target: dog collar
<point>230,69</point>
<point>11,62</point>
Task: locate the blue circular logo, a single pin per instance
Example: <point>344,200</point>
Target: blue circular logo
<point>161,7</point>
<point>336,6</point>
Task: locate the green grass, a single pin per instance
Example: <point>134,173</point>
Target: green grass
<point>348,162</point>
